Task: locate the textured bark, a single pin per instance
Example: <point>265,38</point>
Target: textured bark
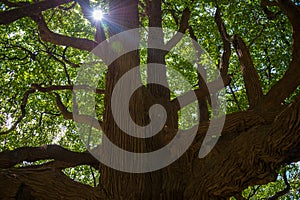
<point>43,183</point>
<point>250,75</point>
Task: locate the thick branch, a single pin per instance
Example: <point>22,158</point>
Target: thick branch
<point>10,16</point>
<point>44,183</point>
<point>47,35</point>
<point>250,75</point>
<point>248,156</point>
<point>31,154</point>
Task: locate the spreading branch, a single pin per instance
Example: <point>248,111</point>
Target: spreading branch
<point>47,35</point>
<point>257,151</point>
<point>9,159</point>
<point>44,183</point>
<point>10,16</point>
<point>203,107</point>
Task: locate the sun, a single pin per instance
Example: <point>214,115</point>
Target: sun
<point>98,15</point>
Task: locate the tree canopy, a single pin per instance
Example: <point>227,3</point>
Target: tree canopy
<point>253,45</point>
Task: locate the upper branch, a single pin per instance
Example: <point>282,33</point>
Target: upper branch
<point>226,44</point>
<point>250,75</point>
<point>47,35</point>
<point>87,12</point>
<point>10,16</point>
<point>264,4</point>
<point>184,25</point>
<point>31,154</point>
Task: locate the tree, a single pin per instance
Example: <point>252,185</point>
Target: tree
<point>44,42</point>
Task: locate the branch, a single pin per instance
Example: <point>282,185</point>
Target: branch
<point>253,191</point>
<point>47,35</point>
<point>65,87</point>
<point>44,183</point>
<point>239,196</point>
<point>9,159</point>
<point>224,64</point>
<point>88,14</point>
<point>23,111</point>
<point>257,36</point>
<point>250,75</point>
<point>85,119</point>
<point>10,16</point>
<point>284,191</point>
<point>187,98</point>
<point>290,81</point>
<point>184,25</point>
<point>203,108</point>
<point>264,4</point>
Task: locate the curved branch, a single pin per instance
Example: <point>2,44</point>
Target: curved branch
<point>284,191</point>
<point>184,25</point>
<point>10,16</point>
<point>290,81</point>
<point>44,183</point>
<point>47,35</point>
<point>248,156</point>
<point>9,159</point>
<point>85,119</point>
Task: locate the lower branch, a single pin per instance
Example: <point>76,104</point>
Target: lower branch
<point>31,154</point>
<point>44,183</point>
